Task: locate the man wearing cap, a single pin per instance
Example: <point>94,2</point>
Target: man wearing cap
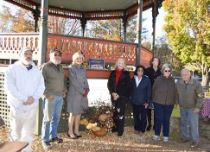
<point>24,86</point>
<point>53,74</point>
<point>190,101</point>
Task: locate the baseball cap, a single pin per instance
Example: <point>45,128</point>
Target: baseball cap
<point>54,50</point>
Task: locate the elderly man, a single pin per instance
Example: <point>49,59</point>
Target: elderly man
<point>24,86</point>
<point>53,98</point>
<point>190,100</point>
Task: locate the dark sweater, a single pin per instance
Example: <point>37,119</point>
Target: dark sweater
<point>152,74</point>
<point>140,94</point>
<point>122,86</point>
<point>164,91</point>
<point>54,79</point>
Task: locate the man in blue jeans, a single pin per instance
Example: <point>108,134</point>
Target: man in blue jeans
<point>53,74</point>
<point>190,100</point>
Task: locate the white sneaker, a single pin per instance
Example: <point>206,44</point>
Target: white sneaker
<point>156,138</point>
<point>165,139</point>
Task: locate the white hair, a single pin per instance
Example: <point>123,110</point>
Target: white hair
<point>120,59</point>
<point>76,55</point>
<point>185,70</point>
<point>22,51</point>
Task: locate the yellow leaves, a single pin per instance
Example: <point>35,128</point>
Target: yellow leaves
<point>187,27</point>
<point>20,21</point>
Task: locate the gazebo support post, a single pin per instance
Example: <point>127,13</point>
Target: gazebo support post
<point>43,32</point>
<point>125,23</point>
<point>139,28</point>
<point>83,22</point>
<point>154,15</point>
<point>36,14</point>
<point>42,53</point>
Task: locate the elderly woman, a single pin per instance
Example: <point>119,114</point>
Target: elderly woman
<point>164,97</point>
<point>190,100</point>
<point>140,94</point>
<point>118,86</point>
<point>77,101</point>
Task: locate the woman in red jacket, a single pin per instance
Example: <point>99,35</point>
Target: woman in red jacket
<point>118,85</point>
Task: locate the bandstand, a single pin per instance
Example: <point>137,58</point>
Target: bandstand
<point>84,10</point>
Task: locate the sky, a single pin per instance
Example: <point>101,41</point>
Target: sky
<point>146,24</point>
<point>159,22</point>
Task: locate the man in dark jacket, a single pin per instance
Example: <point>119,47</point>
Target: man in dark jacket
<point>54,79</point>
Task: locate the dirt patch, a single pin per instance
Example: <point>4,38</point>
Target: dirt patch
<point>129,142</point>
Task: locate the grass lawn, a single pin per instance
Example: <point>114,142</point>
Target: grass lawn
<point>176,112</point>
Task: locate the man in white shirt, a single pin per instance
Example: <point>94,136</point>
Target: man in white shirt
<point>24,86</point>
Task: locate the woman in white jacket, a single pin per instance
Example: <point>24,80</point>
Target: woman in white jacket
<point>24,86</point>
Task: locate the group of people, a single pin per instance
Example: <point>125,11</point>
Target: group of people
<point>25,83</point>
<point>156,86</point>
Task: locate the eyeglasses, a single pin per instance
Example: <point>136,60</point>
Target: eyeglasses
<point>167,71</point>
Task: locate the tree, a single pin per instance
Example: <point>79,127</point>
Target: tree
<point>65,26</point>
<point>20,21</point>
<point>105,29</point>
<point>23,21</point>
<point>165,54</point>
<point>113,30</point>
<point>187,25</point>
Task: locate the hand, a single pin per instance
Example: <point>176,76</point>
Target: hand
<point>64,94</point>
<point>146,105</point>
<point>29,101</point>
<point>50,98</point>
<point>115,96</point>
<point>86,91</point>
<point>196,110</point>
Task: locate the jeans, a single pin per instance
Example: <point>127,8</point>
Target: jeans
<point>52,113</point>
<point>189,124</point>
<point>162,118</point>
<point>140,117</point>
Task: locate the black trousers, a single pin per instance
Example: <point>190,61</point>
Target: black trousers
<point>119,114</point>
<point>149,118</point>
<point>140,117</point>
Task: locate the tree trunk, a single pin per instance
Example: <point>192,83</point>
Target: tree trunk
<point>205,80</point>
<point>205,76</point>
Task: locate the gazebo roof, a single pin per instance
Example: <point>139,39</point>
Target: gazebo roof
<point>88,9</point>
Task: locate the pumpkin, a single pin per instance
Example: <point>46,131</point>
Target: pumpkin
<point>96,128</point>
<point>84,122</point>
<point>103,117</point>
<point>91,125</point>
<point>100,133</point>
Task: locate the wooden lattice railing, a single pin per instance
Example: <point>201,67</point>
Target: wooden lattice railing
<point>11,44</point>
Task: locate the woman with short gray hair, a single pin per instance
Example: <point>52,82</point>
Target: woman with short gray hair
<point>164,96</point>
